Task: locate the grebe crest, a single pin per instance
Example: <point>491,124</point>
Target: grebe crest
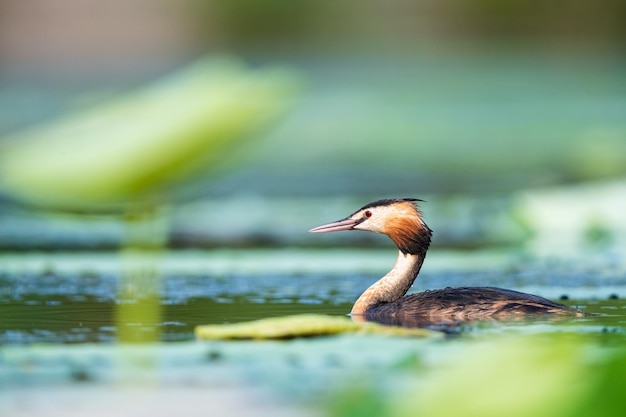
<point>398,218</point>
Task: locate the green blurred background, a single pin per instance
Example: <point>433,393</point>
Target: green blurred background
<point>495,112</point>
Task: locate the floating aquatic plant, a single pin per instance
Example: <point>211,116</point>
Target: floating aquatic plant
<point>301,325</point>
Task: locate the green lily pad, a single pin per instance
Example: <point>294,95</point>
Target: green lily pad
<point>301,325</point>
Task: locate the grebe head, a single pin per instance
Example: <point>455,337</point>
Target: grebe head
<point>398,218</point>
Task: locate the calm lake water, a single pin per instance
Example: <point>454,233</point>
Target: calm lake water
<point>73,298</point>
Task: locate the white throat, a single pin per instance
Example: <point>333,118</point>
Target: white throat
<point>392,286</point>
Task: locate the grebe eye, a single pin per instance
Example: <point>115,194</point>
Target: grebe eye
<point>368,214</point>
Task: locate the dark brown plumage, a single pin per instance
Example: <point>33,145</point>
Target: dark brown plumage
<point>469,304</point>
<point>384,301</point>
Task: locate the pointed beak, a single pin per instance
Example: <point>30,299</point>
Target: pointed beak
<point>345,224</point>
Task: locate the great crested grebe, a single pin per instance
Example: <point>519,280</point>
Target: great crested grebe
<point>401,220</point>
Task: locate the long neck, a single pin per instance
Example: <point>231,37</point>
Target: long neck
<point>393,285</point>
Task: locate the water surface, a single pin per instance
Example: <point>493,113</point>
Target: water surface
<point>73,298</point>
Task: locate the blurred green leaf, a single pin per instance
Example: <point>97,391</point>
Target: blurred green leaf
<point>142,143</point>
<point>516,377</point>
<point>530,375</point>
